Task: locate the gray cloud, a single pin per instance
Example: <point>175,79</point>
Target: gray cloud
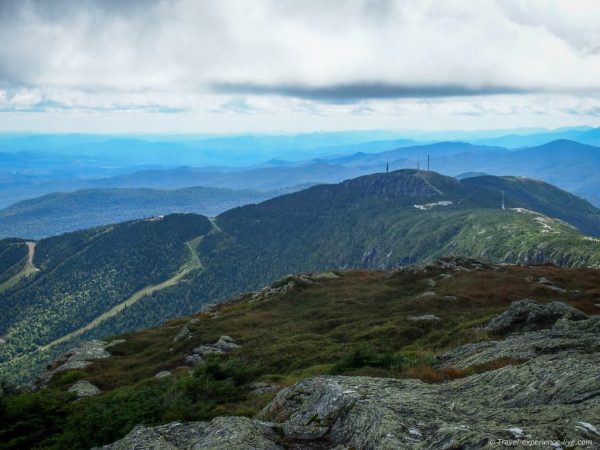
<point>361,91</point>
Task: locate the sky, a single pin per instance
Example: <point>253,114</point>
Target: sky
<point>224,66</point>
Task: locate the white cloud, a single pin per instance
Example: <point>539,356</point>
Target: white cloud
<point>334,58</point>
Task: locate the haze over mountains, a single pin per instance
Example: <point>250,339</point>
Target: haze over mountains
<point>34,166</point>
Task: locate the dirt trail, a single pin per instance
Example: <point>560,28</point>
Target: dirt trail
<point>31,248</point>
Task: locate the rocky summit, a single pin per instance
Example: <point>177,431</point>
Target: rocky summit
<point>550,392</point>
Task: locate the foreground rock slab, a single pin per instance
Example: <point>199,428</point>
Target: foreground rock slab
<point>566,336</point>
<point>548,397</point>
<point>550,393</point>
<point>545,398</point>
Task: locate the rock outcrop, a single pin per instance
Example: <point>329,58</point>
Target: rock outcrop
<point>76,358</point>
<point>183,333</point>
<point>566,336</point>
<point>225,344</point>
<point>528,315</point>
<point>553,395</point>
<point>84,389</point>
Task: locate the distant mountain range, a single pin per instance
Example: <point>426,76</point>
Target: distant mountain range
<point>111,279</point>
<point>31,166</point>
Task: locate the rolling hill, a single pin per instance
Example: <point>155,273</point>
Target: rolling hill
<point>107,280</point>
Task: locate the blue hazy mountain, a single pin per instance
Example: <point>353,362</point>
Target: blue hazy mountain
<point>584,135</point>
<point>63,212</point>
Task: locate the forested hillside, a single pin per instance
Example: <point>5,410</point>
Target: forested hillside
<point>12,259</point>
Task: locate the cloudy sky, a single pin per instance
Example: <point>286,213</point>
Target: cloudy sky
<point>290,65</point>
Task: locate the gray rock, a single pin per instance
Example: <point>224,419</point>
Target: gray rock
<point>226,344</point>
<point>193,359</point>
<point>424,318</point>
<point>184,333</point>
<point>222,433</point>
<point>77,358</point>
<point>263,388</point>
<point>303,432</point>
<point>205,350</point>
<point>162,374</point>
<point>526,315</point>
<point>84,389</point>
<point>565,336</point>
<point>543,281</point>
<point>426,294</point>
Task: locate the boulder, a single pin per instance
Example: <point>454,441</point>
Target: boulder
<point>205,350</point>
<point>527,315</point>
<point>184,333</point>
<point>84,389</point>
<point>162,374</point>
<point>225,344</point>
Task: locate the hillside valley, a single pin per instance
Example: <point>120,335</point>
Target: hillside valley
<point>108,280</point>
